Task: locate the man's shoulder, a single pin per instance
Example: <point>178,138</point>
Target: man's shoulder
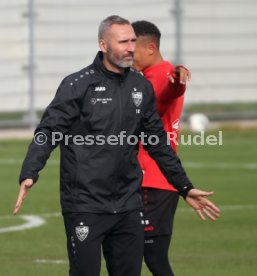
<point>164,66</point>
<point>167,64</point>
<point>83,74</point>
<point>138,76</point>
<point>158,73</point>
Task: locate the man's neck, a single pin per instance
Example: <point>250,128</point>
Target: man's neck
<point>157,59</point>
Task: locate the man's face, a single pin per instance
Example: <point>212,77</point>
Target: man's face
<point>141,55</point>
<point>119,45</point>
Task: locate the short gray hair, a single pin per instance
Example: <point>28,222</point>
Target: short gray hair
<point>108,22</point>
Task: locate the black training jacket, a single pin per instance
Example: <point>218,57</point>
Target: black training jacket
<point>89,106</point>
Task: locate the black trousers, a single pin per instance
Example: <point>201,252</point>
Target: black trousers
<point>159,211</point>
<point>156,255</point>
<point>120,235</point>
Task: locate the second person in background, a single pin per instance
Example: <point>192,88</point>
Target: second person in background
<point>159,197</point>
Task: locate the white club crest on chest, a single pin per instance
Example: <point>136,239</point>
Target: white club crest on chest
<point>137,97</point>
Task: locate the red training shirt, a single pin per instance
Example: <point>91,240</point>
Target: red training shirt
<point>169,98</point>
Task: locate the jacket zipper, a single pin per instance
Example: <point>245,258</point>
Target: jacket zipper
<point>120,129</point>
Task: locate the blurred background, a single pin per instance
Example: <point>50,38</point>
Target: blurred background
<point>42,41</point>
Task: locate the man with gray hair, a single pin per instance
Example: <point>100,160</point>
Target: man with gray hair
<point>100,182</point>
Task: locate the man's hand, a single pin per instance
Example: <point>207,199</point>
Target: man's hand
<point>203,207</point>
<point>182,73</point>
<point>25,186</point>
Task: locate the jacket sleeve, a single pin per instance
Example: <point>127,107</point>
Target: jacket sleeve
<point>58,117</point>
<point>162,153</point>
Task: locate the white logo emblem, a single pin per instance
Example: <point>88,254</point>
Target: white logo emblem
<point>93,101</point>
<point>175,124</point>
<point>137,98</point>
<point>100,88</point>
<point>82,232</point>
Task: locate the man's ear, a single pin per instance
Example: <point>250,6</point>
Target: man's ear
<point>151,48</point>
<point>102,45</point>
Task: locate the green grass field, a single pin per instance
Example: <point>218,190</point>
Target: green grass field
<point>223,248</point>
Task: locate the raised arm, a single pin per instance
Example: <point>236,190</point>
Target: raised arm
<point>170,164</point>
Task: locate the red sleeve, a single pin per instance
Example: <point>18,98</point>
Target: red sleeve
<point>165,91</point>
<point>178,88</point>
